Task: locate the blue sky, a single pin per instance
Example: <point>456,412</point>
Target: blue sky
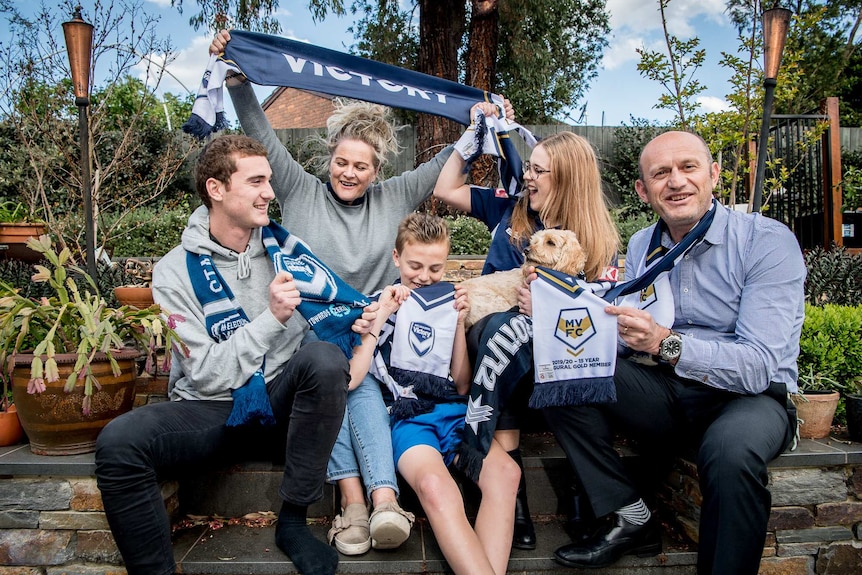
<point>616,94</point>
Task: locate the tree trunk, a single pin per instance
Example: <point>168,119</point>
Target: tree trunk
<point>481,67</point>
<point>441,28</point>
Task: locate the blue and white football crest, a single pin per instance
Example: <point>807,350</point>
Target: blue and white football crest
<point>421,338</point>
<point>312,280</point>
<point>575,327</point>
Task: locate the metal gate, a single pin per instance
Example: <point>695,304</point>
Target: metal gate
<point>801,146</point>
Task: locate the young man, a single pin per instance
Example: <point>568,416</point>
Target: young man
<point>426,436</point>
<point>247,332</point>
<point>724,368</point>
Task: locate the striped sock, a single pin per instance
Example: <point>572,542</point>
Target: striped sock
<point>636,513</point>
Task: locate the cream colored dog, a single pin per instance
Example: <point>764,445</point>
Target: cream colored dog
<point>556,249</point>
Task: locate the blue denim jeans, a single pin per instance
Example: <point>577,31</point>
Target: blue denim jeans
<point>166,440</point>
<point>364,445</point>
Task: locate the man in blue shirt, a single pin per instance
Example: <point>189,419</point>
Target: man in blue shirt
<point>715,381</point>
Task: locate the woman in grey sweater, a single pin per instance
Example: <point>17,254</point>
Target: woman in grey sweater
<point>350,223</point>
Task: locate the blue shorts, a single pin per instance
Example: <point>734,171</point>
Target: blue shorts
<point>441,428</point>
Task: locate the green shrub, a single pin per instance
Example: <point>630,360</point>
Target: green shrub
<point>830,348</point>
<point>147,232</point>
<point>628,225</point>
<point>834,276</point>
<point>469,236</point>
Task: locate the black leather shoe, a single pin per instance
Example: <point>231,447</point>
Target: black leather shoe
<point>622,538</point>
<point>524,535</point>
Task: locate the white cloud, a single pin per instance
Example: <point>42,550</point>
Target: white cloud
<point>620,53</point>
<point>709,104</point>
<point>183,75</point>
<point>160,3</point>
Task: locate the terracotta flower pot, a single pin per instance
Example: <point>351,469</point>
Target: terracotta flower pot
<point>815,414</point>
<point>14,237</point>
<point>136,296</point>
<point>11,431</point>
<point>54,420</point>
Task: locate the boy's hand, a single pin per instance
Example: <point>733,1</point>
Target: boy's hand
<point>462,303</point>
<point>365,322</point>
<point>392,297</point>
<point>220,40</point>
<point>525,300</point>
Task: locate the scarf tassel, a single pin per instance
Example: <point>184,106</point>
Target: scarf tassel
<point>469,461</point>
<point>587,391</point>
<point>409,407</point>
<point>251,404</point>
<point>423,383</point>
<point>345,341</point>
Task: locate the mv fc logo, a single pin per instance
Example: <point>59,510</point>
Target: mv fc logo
<point>575,327</point>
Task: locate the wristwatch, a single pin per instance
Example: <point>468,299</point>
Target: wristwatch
<point>670,347</point>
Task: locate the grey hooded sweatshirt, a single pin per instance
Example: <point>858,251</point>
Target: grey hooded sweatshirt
<point>213,369</point>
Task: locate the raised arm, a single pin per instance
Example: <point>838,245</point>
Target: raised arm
<point>460,368</point>
<point>452,187</point>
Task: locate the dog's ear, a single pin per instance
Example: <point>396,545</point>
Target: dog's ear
<point>572,256</point>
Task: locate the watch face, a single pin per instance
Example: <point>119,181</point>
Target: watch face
<point>671,347</point>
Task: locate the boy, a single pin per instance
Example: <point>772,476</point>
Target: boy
<point>425,443</point>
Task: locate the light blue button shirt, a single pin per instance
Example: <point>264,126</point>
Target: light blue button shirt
<point>738,301</point>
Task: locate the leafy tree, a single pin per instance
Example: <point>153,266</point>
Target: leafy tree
<point>134,158</point>
<point>675,71</point>
<point>542,54</point>
<point>823,42</point>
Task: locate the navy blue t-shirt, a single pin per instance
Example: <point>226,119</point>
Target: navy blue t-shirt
<point>494,207</point>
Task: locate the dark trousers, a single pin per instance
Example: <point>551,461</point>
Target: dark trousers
<point>164,440</point>
<point>734,436</point>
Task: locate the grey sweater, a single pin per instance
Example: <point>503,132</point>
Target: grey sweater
<point>214,369</point>
<point>356,241</point>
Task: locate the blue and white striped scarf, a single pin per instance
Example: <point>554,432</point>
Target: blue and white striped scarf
<point>329,305</point>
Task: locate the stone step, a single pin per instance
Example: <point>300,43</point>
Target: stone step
<point>239,549</point>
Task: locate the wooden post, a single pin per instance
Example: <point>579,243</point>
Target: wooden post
<point>832,175</point>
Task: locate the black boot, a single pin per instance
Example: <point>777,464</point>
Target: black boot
<point>524,536</point>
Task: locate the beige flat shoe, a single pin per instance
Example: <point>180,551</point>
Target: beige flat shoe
<point>390,525</point>
<point>350,530</point>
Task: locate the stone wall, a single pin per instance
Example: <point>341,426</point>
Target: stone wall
<point>59,524</point>
<point>816,520</point>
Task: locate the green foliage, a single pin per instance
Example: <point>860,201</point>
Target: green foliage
<point>627,225</point>
<point>147,232</point>
<point>830,348</point>
<point>548,52</point>
<point>621,171</point>
<point>834,277</point>
<point>469,236</point>
<point>74,319</point>
<point>13,212</point>
<point>851,182</point>
<point>136,159</point>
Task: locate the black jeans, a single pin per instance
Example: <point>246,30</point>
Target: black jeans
<point>164,440</point>
<point>735,436</point>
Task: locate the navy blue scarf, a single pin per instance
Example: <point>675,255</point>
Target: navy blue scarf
<point>276,61</point>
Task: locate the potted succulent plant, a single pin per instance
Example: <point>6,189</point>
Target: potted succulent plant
<point>140,293</point>
<point>10,426</point>
<point>71,358</point>
<point>17,225</point>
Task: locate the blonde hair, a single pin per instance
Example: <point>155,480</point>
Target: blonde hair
<point>357,120</point>
<point>576,202</point>
<point>421,228</point>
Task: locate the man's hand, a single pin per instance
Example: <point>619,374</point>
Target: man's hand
<point>284,298</point>
<point>638,329</point>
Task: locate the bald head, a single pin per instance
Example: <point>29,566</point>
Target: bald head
<point>676,138</point>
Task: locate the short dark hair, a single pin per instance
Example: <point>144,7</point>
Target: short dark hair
<point>218,160</point>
